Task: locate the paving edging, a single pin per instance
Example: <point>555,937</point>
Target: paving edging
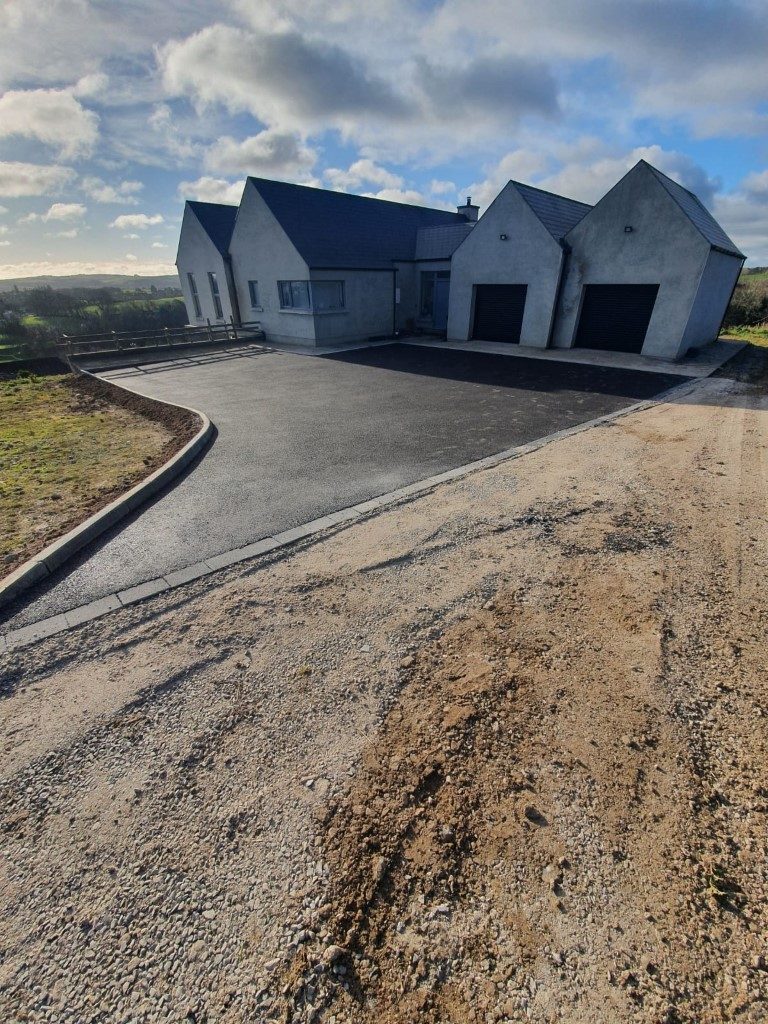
<point>142,591</point>
<point>54,555</point>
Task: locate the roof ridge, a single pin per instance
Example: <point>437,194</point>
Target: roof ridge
<point>355,195</point>
<point>547,192</point>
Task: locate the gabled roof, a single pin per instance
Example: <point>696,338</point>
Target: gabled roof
<point>697,213</point>
<point>556,213</point>
<point>217,220</point>
<point>440,242</point>
<point>336,229</point>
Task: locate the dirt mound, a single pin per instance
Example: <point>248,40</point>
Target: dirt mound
<point>539,830</point>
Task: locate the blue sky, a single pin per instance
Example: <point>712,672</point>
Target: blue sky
<point>112,113</point>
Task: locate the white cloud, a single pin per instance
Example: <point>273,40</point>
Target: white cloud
<point>590,181</point>
<point>129,256</point>
<point>64,211</point>
<point>212,190</point>
<point>90,86</point>
<point>52,116</point>
<point>408,195</point>
<point>20,179</point>
<point>159,245</point>
<point>362,172</point>
<point>283,78</point>
<point>124,193</point>
<point>441,188</point>
<point>271,152</point>
<point>137,220</point>
<point>3,229</point>
<point>3,209</point>
<point>72,233</point>
<point>4,242</point>
<point>132,235</point>
<point>585,169</point>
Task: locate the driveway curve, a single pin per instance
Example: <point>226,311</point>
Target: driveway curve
<point>301,436</point>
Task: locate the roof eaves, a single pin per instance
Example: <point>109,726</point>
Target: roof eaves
<point>663,179</point>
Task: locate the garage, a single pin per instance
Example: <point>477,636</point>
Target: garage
<point>615,317</point>
<point>499,312</point>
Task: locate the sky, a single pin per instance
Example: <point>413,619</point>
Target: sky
<point>113,113</point>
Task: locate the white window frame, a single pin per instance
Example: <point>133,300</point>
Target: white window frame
<point>195,297</point>
<point>215,295</point>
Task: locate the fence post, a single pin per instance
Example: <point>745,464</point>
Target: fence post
<point>234,327</point>
<point>210,332</point>
<point>118,341</point>
<point>168,338</point>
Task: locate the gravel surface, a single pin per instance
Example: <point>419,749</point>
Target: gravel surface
<point>498,754</point>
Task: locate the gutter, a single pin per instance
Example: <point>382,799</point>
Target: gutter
<point>565,252</point>
<point>394,302</point>
<point>231,289</point>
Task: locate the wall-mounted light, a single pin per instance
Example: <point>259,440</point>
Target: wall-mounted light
<point>628,229</point>
<point>503,237</point>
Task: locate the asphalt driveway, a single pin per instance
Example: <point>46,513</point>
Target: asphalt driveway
<point>301,436</point>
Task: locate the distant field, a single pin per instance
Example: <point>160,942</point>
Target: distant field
<point>122,315</point>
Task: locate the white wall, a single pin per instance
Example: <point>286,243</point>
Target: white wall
<point>369,301</point>
<point>530,256</point>
<point>714,293</point>
<point>261,251</point>
<point>663,248</point>
<point>198,255</point>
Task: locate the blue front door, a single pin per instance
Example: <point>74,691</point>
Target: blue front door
<point>440,303</point>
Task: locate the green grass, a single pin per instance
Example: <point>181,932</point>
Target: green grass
<point>754,335</point>
<point>65,453</point>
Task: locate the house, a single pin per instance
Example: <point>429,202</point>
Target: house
<point>647,269</point>
<point>204,263</point>
<point>322,268</point>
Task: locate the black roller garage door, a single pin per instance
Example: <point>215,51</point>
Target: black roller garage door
<point>499,312</point>
<point>615,316</point>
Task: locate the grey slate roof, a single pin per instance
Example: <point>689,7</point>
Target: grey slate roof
<point>336,229</point>
<point>218,220</point>
<point>439,243</point>
<point>556,213</point>
<point>697,213</point>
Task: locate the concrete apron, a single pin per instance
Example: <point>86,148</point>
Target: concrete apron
<point>699,363</point>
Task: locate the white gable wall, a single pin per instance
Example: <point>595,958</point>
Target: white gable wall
<point>261,251</point>
<point>530,256</point>
<point>198,255</point>
<point>663,248</point>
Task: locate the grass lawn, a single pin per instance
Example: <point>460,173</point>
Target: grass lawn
<point>66,450</point>
<point>754,335</point>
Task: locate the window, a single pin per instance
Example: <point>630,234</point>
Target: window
<point>195,296</point>
<point>253,292</point>
<point>428,278</point>
<point>327,295</point>
<point>216,296</point>
<point>294,295</point>
<point>317,296</point>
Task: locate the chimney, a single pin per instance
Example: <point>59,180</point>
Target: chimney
<point>468,210</point>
